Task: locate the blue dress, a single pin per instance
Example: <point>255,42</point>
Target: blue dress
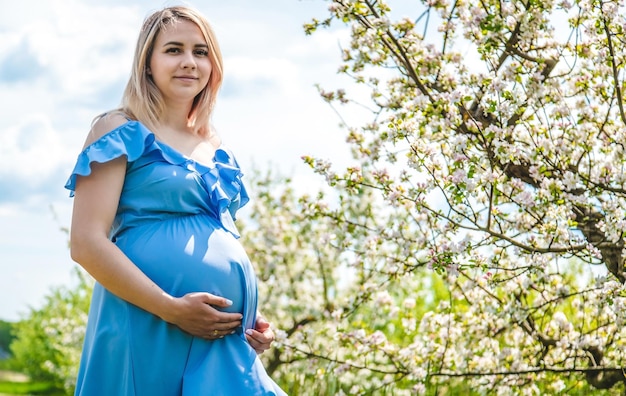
<point>175,221</point>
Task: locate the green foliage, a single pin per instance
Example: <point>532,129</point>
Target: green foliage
<point>5,335</point>
<point>30,388</point>
<point>49,341</point>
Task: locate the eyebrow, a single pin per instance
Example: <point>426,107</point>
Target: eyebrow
<point>179,44</point>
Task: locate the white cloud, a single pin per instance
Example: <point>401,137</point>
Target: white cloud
<point>84,49</point>
<point>29,147</point>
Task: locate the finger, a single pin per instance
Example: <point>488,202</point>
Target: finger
<point>266,335</point>
<point>253,343</point>
<point>262,324</point>
<point>217,301</point>
<point>257,346</point>
<point>219,316</point>
<point>257,338</point>
<point>211,299</point>
<point>226,325</point>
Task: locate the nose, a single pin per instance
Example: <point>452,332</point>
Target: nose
<point>188,61</point>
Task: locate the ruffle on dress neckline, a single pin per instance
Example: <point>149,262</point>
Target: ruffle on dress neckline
<point>222,178</point>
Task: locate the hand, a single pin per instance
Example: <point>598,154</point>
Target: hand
<point>195,314</point>
<point>261,337</point>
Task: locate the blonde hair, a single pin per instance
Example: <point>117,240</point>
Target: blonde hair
<point>142,99</point>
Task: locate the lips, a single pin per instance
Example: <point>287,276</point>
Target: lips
<point>186,78</point>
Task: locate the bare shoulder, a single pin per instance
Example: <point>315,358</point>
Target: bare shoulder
<point>215,140</point>
<point>103,124</point>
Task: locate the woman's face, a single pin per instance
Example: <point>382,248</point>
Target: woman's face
<point>180,65</point>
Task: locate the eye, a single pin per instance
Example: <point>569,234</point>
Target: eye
<point>201,52</point>
<point>172,50</point>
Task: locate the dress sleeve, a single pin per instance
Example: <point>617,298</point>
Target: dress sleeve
<point>126,140</point>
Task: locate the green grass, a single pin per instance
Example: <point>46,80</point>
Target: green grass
<point>29,388</point>
<point>16,384</point>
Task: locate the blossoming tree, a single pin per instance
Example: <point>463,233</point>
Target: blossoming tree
<point>482,224</point>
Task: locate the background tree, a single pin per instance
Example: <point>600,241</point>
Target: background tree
<point>331,336</point>
<point>6,337</point>
<point>311,289</point>
<point>494,157</point>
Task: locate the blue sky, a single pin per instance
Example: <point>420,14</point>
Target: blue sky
<point>64,61</point>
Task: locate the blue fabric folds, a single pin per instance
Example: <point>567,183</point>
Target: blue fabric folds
<point>222,179</point>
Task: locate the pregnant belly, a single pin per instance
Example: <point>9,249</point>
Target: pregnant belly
<point>192,254</point>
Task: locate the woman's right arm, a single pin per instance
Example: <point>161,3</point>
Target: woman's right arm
<point>95,205</point>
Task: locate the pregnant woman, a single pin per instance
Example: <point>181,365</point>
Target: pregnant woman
<point>174,307</point>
